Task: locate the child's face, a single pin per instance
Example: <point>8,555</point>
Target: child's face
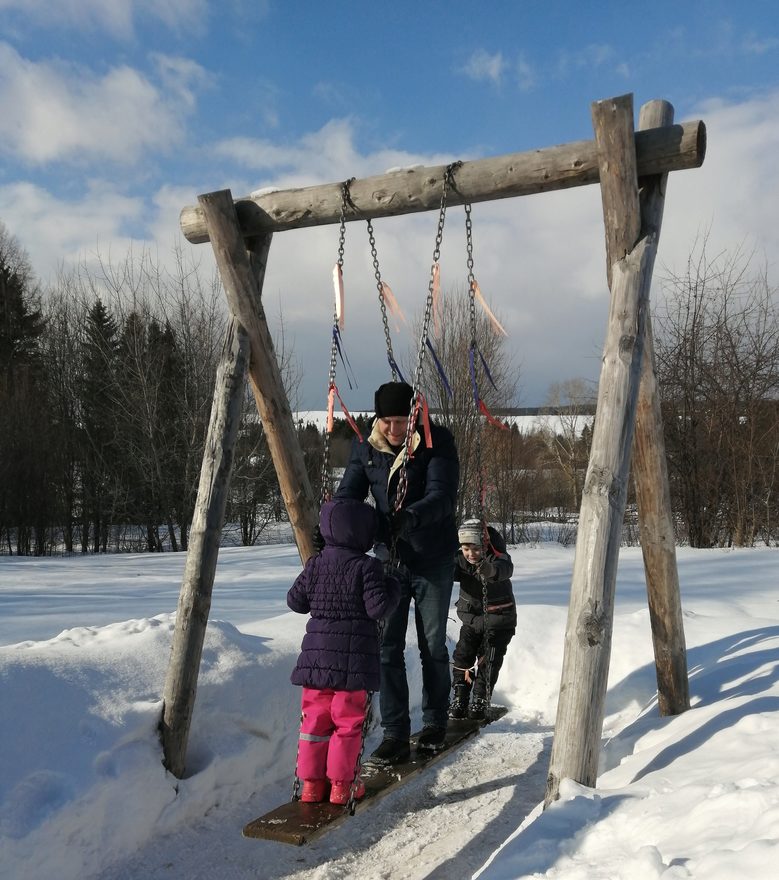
<point>472,553</point>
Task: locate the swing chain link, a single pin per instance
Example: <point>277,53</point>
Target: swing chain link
<point>469,243</point>
<point>382,303</point>
<point>366,726</point>
<point>487,648</point>
<point>474,352</point>
<point>480,488</point>
<point>326,480</point>
<point>296,781</point>
<point>346,199</point>
<point>448,181</point>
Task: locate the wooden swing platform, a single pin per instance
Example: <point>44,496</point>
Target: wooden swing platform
<point>298,823</point>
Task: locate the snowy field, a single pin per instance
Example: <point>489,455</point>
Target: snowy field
<point>83,794</point>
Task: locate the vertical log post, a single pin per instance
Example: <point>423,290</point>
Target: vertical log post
<point>587,650</point>
<point>650,474</point>
<point>242,274</point>
<point>195,597</point>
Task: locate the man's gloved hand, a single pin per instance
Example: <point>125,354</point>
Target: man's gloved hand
<point>487,570</point>
<point>318,539</point>
<point>402,522</point>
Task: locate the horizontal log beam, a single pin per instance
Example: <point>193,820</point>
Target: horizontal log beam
<point>415,189</point>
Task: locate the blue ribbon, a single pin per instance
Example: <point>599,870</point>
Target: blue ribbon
<point>440,369</point>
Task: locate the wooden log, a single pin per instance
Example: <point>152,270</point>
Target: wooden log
<point>587,650</point>
<point>650,474</point>
<point>410,190</point>
<point>242,275</point>
<point>195,596</point>
<point>619,180</point>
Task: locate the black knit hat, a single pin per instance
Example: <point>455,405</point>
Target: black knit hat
<point>393,399</point>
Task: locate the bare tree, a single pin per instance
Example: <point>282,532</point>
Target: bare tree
<point>515,462</point>
<point>568,432</point>
<point>155,404</point>
<point>457,410</point>
<point>718,369</point>
<point>255,497</point>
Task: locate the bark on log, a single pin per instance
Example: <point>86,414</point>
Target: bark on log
<point>242,274</point>
<point>650,474</point>
<point>587,652</point>
<point>410,190</point>
<point>195,596</point>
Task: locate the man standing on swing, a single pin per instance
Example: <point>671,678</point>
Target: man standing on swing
<point>423,533</point>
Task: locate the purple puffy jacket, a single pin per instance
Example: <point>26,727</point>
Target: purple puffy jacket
<point>346,592</point>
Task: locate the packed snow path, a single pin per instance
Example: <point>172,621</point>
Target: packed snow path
<point>443,823</point>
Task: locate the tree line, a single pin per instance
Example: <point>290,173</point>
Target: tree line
<point>106,380</point>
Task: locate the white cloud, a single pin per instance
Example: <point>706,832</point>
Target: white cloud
<point>484,66</point>
<point>57,111</point>
<point>755,45</point>
<point>540,260</point>
<point>116,17</point>
<point>56,231</point>
<point>526,75</point>
<point>589,57</point>
<point>734,192</point>
<point>179,79</point>
<point>317,157</point>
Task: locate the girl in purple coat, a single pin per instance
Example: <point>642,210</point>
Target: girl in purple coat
<point>346,592</point>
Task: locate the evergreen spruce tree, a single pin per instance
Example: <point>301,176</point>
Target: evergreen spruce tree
<point>99,420</point>
<point>24,495</point>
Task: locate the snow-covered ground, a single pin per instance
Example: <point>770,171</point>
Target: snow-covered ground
<point>83,792</point>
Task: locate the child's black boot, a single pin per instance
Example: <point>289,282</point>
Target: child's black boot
<point>478,709</point>
<point>459,705</point>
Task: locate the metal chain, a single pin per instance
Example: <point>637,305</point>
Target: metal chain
<point>488,649</point>
<point>474,352</point>
<point>296,783</point>
<point>326,489</point>
<point>403,477</point>
<point>325,479</point>
<point>382,304</point>
<point>366,723</point>
<point>477,444</point>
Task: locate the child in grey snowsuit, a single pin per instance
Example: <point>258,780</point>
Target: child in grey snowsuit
<point>483,569</point>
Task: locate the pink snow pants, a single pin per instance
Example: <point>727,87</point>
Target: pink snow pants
<point>330,733</point>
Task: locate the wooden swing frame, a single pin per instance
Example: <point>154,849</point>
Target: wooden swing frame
<point>632,168</point>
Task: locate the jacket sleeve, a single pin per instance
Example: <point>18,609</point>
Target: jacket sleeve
<point>503,566</point>
<point>457,568</point>
<point>381,593</point>
<point>441,481</point>
<point>499,556</point>
<point>297,597</point>
<point>354,483</point>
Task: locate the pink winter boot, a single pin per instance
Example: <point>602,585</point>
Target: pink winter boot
<point>314,791</point>
<point>341,789</point>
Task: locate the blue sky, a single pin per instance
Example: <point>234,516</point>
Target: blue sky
<point>115,114</point>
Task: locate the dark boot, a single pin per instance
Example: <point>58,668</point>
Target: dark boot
<point>391,751</point>
<point>478,709</point>
<point>459,705</point>
<point>432,739</point>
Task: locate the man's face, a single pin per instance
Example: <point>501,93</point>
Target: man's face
<point>472,553</point>
<point>394,429</point>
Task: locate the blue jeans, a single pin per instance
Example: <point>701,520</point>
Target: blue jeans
<point>432,595</point>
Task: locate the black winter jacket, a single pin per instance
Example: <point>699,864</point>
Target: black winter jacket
<point>431,497</point>
<point>501,605</point>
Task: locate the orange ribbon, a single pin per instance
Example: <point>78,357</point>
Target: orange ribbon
<point>332,394</point>
<point>497,326</point>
